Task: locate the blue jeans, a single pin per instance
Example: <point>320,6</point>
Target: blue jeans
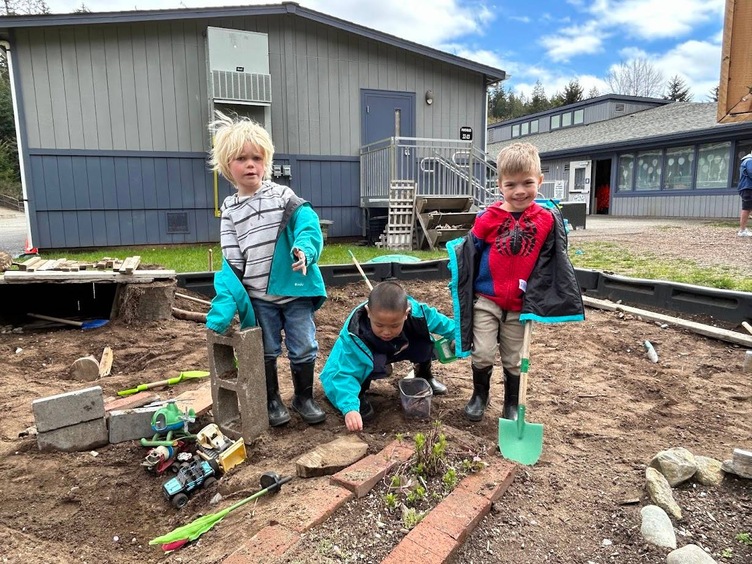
<point>296,319</point>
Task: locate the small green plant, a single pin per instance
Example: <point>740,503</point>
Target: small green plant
<point>430,451</point>
<point>400,437</point>
<point>727,553</point>
<point>470,466</point>
<point>744,538</point>
<point>396,482</point>
<point>419,469</point>
<point>390,500</point>
<point>411,517</point>
<point>449,479</point>
<point>416,495</point>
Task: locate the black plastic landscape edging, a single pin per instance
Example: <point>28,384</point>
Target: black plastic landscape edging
<point>726,305</point>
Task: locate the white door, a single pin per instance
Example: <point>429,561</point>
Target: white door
<point>579,183</point>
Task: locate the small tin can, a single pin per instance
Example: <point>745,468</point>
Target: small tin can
<point>444,351</point>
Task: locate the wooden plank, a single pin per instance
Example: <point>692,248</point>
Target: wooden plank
<point>105,363</point>
<point>138,276</point>
<point>699,328</point>
<point>29,263</point>
<point>129,265</point>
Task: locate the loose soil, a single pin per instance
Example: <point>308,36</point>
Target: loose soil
<point>605,407</point>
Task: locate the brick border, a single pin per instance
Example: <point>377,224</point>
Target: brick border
<point>433,541</point>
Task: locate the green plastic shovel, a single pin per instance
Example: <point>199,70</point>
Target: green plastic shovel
<point>169,382</point>
<point>518,440</point>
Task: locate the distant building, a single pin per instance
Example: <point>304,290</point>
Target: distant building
<point>113,111</point>
<point>632,156</point>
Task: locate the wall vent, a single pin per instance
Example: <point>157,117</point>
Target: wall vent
<point>177,222</point>
<point>619,107</point>
<point>242,87</point>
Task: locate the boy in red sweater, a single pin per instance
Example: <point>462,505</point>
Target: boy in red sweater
<point>514,269</point>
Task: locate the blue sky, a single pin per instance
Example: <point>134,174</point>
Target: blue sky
<point>551,41</point>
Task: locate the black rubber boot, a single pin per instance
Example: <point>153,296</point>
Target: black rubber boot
<point>423,370</point>
<point>278,414</point>
<point>303,402</point>
<point>367,413</point>
<point>481,386</point>
<point>511,395</point>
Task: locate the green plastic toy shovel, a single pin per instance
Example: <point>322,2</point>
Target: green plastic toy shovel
<point>518,440</point>
<point>169,382</point>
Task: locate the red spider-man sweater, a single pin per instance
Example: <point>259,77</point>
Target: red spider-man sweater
<point>509,249</point>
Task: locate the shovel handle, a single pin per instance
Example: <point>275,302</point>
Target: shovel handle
<point>363,274</point>
<point>58,319</point>
<point>525,362</point>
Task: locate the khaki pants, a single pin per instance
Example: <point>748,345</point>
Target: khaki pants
<point>492,329</point>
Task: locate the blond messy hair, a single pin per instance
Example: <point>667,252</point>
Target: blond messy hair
<point>231,135</point>
<point>519,158</point>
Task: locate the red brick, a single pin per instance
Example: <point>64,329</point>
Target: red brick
<point>317,506</point>
<point>130,402</point>
<point>408,552</point>
<point>266,546</point>
<point>361,477</point>
<point>458,514</point>
<point>492,481</point>
<point>439,544</point>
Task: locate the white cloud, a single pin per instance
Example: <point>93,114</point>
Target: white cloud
<point>655,19</point>
<point>585,39</point>
<point>484,56</point>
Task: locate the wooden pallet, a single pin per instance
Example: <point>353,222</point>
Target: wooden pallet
<point>38,264</point>
<point>401,218</point>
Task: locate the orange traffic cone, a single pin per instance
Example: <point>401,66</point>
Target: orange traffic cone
<point>28,249</point>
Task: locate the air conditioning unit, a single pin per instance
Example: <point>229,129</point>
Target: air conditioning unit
<point>239,66</point>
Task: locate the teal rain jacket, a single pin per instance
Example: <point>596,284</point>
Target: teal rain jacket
<point>351,361</point>
<point>231,297</point>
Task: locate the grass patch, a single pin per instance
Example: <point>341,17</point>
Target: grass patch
<point>610,257</point>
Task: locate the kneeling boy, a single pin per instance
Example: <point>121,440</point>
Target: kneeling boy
<point>389,327</point>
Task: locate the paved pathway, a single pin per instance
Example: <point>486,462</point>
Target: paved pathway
<point>12,231</point>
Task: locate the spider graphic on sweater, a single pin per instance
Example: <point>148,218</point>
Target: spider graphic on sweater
<point>515,237</point>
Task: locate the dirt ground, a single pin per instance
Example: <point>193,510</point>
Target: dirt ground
<point>606,410</point>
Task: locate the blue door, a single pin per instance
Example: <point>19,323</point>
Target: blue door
<point>384,110</point>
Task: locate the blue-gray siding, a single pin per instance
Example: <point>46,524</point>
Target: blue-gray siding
<point>90,199</point>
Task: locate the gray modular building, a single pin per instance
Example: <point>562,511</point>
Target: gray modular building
<point>633,156</point>
<point>112,112</point>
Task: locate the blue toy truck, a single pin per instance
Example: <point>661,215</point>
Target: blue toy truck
<point>192,475</point>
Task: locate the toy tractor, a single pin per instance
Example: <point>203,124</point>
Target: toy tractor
<point>214,446</point>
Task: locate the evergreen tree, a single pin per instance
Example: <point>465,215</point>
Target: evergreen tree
<point>713,95</point>
<point>573,92</point>
<point>538,101</point>
<point>677,90</point>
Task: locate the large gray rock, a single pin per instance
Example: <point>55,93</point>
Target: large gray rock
<point>676,464</point>
<point>660,492</point>
<point>709,472</point>
<point>690,554</point>
<point>656,527</point>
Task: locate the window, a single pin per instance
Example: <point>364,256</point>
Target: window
<point>713,165</point>
<point>743,148</point>
<point>555,122</point>
<point>648,172</point>
<point>626,173</point>
<point>566,119</point>
<point>525,128</point>
<point>534,126</point>
<point>678,167</point>
<point>619,108</point>
<point>579,117</point>
<point>516,130</point>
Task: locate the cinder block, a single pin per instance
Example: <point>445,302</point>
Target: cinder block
<point>64,410</point>
<point>82,436</point>
<point>238,389</point>
<point>131,424</point>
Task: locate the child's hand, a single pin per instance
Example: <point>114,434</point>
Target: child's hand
<point>353,421</point>
<point>300,264</point>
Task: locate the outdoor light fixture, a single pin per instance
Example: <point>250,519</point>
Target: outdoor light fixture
<point>429,97</point>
